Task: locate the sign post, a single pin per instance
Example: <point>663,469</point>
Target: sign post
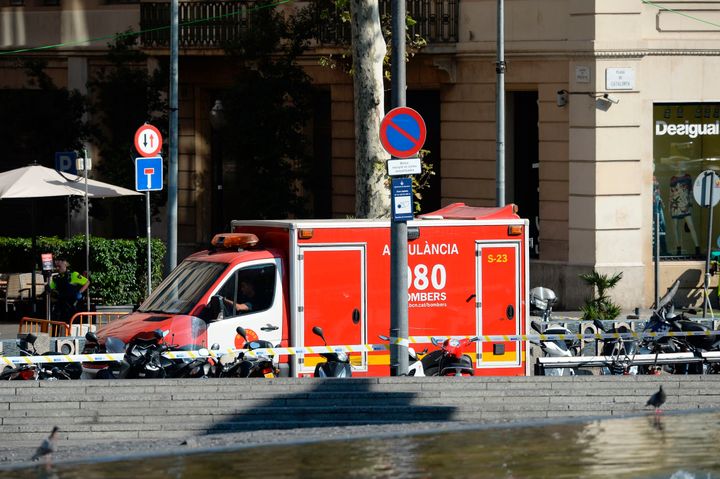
<point>402,134</point>
<point>148,177</point>
<point>706,191</point>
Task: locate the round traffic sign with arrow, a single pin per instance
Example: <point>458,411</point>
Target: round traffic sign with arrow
<point>402,132</point>
<point>706,188</point>
<point>148,140</point>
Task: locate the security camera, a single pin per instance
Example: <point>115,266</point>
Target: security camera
<point>562,97</point>
<point>605,101</point>
<point>611,99</point>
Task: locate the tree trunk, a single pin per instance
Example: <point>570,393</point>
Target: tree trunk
<point>372,198</point>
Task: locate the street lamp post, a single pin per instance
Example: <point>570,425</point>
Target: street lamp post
<point>217,122</point>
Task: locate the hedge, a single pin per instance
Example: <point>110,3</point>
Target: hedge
<point>118,267</point>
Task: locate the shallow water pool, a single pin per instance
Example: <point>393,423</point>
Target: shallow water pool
<point>677,446</point>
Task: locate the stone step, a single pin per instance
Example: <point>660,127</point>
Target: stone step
<point>119,409</point>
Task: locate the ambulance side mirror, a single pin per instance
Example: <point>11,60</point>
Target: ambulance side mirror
<point>317,330</point>
<point>241,331</point>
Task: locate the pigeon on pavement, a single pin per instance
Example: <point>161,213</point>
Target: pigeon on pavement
<point>657,400</point>
<point>47,447</point>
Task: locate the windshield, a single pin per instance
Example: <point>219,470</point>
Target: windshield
<point>186,333</point>
<point>180,291</point>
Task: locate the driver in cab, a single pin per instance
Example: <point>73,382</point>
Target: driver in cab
<point>245,298</point>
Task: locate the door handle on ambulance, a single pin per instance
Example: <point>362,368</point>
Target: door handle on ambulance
<point>269,327</point>
<point>510,311</point>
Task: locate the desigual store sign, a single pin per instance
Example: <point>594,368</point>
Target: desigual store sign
<point>686,143</point>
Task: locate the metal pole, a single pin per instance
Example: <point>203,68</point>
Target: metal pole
<point>149,250</point>
<point>33,248</point>
<point>398,229</point>
<point>656,252</point>
<point>500,105</point>
<point>87,229</point>
<point>173,140</point>
<point>706,292</point>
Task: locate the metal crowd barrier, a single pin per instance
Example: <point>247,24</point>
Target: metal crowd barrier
<point>37,326</point>
<point>83,322</point>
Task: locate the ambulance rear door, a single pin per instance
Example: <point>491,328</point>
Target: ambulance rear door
<point>498,274</point>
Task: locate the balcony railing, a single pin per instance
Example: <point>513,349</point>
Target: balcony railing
<point>211,24</point>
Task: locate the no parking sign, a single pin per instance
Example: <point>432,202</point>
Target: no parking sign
<point>402,132</point>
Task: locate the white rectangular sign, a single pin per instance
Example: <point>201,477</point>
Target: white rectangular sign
<point>405,166</point>
<point>582,74</point>
<point>619,79</point>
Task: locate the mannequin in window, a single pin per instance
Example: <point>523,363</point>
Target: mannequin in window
<point>681,198</point>
<point>659,216</point>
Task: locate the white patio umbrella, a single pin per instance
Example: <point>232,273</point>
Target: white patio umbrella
<point>37,181</point>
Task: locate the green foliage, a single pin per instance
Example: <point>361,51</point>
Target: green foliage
<point>264,148</point>
<point>422,181</point>
<point>124,96</point>
<point>332,10</point>
<point>600,306</point>
<point>118,268</point>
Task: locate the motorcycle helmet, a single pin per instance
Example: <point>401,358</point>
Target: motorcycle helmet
<point>542,299</point>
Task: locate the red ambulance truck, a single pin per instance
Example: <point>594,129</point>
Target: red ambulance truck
<point>467,275</point>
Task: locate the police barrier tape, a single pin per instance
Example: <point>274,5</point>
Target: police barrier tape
<point>114,357</point>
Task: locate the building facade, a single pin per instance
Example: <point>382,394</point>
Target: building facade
<point>612,114</point>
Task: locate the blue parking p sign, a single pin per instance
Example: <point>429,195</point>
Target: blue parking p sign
<point>149,174</point>
<point>65,162</point>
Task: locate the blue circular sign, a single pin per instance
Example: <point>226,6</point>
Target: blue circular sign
<point>402,132</point>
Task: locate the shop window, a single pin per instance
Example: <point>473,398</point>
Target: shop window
<point>686,144</point>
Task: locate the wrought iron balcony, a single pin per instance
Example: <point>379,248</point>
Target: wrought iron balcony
<point>212,24</point>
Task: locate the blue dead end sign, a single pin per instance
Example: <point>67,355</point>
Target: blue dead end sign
<point>148,174</point>
<point>402,132</point>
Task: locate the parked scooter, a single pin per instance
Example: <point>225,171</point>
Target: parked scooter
<point>415,365</point>
<point>542,301</point>
<point>242,365</point>
<point>450,359</point>
<point>336,365</point>
<point>557,348</point>
<point>42,371</point>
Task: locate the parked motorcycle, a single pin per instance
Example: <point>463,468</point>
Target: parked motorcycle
<point>205,366</point>
<point>620,351</point>
<point>242,365</point>
<point>450,359</point>
<point>143,354</point>
<point>542,301</point>
<point>336,365</point>
<point>665,319</point>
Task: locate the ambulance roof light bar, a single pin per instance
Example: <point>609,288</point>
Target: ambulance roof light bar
<point>234,240</point>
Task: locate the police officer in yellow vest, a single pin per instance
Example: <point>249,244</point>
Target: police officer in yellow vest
<point>67,287</point>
